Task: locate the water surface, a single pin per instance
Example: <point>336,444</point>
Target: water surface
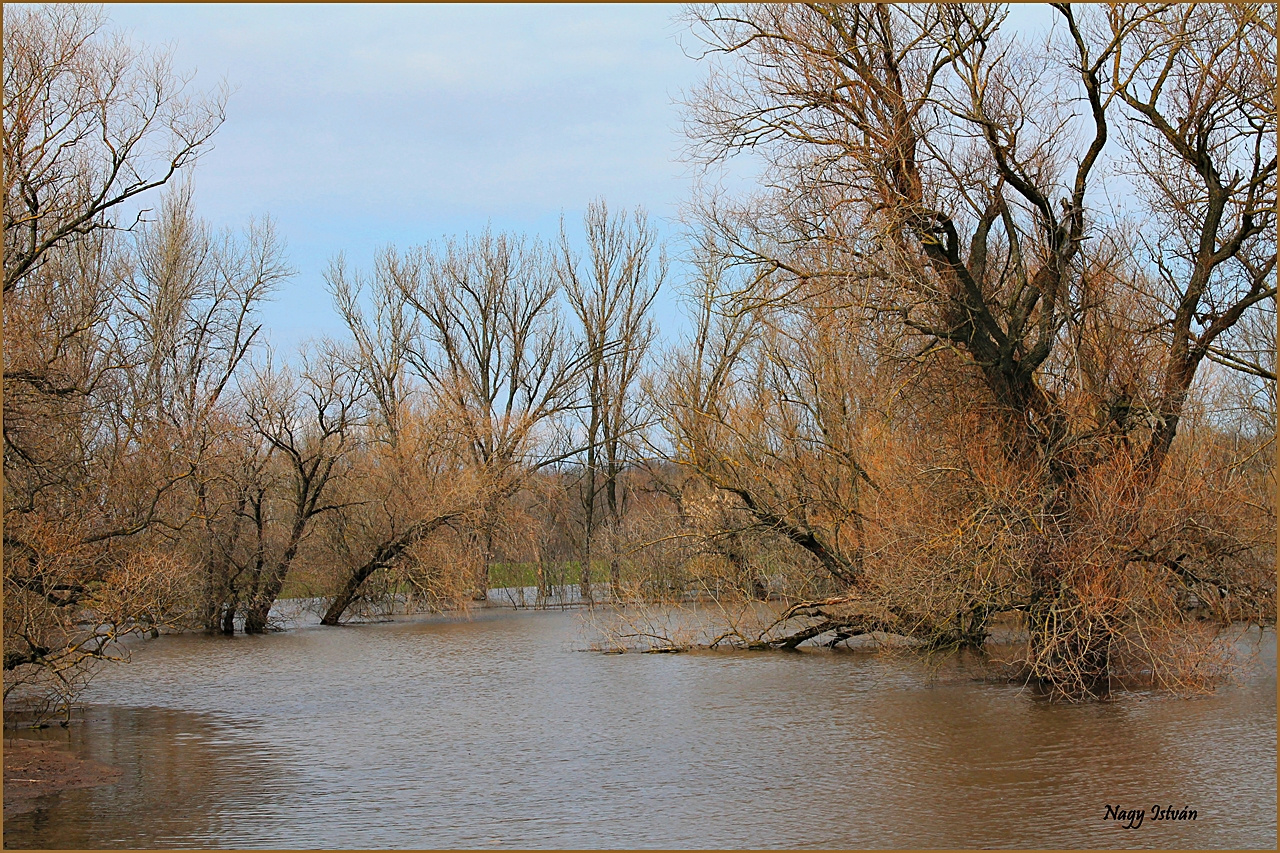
<point>500,731</point>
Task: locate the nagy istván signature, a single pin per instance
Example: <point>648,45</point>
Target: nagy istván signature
<point>1133,817</point>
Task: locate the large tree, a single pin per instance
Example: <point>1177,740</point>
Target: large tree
<point>962,182</point>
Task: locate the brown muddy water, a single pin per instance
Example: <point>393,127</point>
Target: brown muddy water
<point>499,731</point>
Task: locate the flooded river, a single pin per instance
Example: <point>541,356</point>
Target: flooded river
<point>500,731</point>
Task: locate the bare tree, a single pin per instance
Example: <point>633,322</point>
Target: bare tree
<point>738,420</point>
<point>381,342</point>
<point>494,354</point>
<point>1197,82</point>
<point>613,300</point>
<point>119,360</point>
<point>274,472</point>
<point>414,481</point>
<point>955,172</point>
<point>90,123</point>
<point>310,426</point>
<point>187,305</point>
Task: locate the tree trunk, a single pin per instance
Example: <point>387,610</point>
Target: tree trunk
<point>1070,647</point>
<point>584,579</point>
<point>343,599</point>
<point>265,594</point>
<point>589,511</point>
<point>255,617</point>
<point>486,560</point>
<point>212,605</point>
<point>541,592</point>
<point>383,556</point>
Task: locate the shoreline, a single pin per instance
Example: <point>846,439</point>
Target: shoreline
<point>34,768</point>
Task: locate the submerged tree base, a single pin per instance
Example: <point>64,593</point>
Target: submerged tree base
<point>1194,657</point>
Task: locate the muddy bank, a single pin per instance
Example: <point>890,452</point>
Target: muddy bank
<point>35,768</point>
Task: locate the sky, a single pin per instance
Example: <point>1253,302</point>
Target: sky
<point>356,127</point>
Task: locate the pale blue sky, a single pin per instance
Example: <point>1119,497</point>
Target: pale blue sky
<point>359,126</point>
